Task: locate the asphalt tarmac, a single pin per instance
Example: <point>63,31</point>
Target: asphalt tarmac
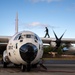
<point>54,67</point>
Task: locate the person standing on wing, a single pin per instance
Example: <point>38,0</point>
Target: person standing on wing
<point>47,33</point>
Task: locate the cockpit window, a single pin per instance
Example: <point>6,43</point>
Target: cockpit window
<point>28,36</point>
<point>20,36</point>
<point>17,37</point>
<point>36,37</point>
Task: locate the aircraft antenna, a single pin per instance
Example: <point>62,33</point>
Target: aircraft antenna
<point>16,23</point>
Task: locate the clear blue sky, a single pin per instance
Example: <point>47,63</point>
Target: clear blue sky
<point>34,15</point>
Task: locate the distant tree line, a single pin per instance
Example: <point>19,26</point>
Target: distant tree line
<point>48,49</point>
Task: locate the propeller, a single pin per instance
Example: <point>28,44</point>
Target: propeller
<point>58,40</point>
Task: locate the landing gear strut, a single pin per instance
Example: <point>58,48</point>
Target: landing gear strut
<point>27,68</point>
<point>23,67</point>
<point>4,65</point>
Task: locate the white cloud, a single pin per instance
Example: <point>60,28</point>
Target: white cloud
<point>39,25</point>
<point>34,24</point>
<point>35,1</point>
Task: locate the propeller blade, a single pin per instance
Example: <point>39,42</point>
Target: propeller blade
<point>55,35</point>
<point>62,35</point>
<point>43,66</point>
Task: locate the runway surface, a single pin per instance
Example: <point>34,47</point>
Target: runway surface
<point>54,67</point>
<point>59,61</point>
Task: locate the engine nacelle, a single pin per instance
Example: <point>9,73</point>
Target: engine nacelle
<point>5,57</point>
<point>53,44</point>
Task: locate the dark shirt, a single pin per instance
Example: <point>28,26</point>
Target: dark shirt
<point>46,30</point>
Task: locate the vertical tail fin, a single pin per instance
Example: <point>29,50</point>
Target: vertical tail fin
<point>16,23</point>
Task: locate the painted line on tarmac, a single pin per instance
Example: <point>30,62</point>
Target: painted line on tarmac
<point>57,71</point>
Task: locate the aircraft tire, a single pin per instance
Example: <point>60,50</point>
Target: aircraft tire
<point>23,67</point>
<point>4,65</point>
<point>28,67</point>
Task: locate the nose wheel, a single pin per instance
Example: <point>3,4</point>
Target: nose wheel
<point>23,67</point>
<point>27,68</point>
<point>4,65</point>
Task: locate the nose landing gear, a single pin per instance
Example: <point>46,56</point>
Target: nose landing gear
<point>26,67</point>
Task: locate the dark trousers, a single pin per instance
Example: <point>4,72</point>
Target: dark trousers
<point>47,35</point>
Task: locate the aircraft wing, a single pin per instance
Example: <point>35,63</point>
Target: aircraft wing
<point>68,40</point>
<point>64,40</point>
<point>5,39</point>
<point>3,43</point>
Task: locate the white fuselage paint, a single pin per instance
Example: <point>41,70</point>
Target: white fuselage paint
<point>14,53</point>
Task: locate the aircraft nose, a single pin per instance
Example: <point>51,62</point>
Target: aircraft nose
<point>28,52</point>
